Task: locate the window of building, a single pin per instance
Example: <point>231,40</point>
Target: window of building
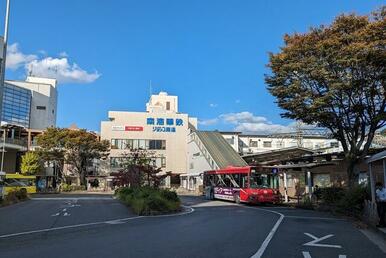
<point>334,144</point>
<point>253,143</point>
<point>167,105</point>
<point>321,180</point>
<point>267,144</point>
<point>41,107</point>
<point>231,141</point>
<point>126,144</point>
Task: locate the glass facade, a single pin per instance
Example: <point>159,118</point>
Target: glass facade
<point>128,144</point>
<point>16,105</point>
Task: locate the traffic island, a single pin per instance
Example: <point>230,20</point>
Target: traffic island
<point>148,201</point>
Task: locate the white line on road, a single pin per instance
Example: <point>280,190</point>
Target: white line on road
<point>115,221</point>
<point>306,217</point>
<point>264,245</point>
<point>306,255</point>
<point>70,198</point>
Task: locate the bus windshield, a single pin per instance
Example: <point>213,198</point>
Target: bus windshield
<point>258,181</point>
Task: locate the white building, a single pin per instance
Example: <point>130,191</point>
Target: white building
<point>249,143</point>
<point>42,105</point>
<point>161,130</point>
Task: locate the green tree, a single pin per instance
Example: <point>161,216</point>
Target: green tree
<point>31,163</point>
<point>82,148</point>
<point>334,77</point>
<point>77,148</point>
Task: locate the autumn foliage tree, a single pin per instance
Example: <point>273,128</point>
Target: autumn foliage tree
<point>334,76</point>
<point>138,170</point>
<point>77,148</point>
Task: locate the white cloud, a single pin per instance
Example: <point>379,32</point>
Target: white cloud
<point>63,54</point>
<point>212,105</point>
<point>242,117</point>
<point>15,58</point>
<point>208,121</point>
<point>247,122</point>
<point>59,68</point>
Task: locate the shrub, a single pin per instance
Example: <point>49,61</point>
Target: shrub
<point>330,195</point>
<point>306,203</point>
<point>14,197</point>
<point>69,188</point>
<point>352,202</point>
<point>148,200</point>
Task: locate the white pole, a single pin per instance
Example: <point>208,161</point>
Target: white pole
<point>285,187</point>
<point>3,152</point>
<point>384,172</point>
<point>372,184</point>
<point>309,183</point>
<point>4,57</point>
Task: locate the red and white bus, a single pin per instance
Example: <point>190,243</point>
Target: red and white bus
<point>241,184</point>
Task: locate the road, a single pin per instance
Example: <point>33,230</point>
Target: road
<point>99,226</point>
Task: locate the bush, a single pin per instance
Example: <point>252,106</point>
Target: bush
<point>70,188</point>
<point>149,201</point>
<point>14,197</point>
<point>306,203</point>
<point>352,202</point>
<point>330,195</point>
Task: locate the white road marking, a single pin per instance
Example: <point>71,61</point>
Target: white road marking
<point>66,214</point>
<point>92,224</point>
<point>56,214</point>
<point>308,255</point>
<point>64,210</point>
<point>317,240</point>
<point>306,217</point>
<point>264,245</point>
<point>70,198</point>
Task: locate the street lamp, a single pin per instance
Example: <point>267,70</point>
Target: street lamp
<point>4,57</point>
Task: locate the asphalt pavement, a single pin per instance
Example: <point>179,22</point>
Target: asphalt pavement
<point>99,226</point>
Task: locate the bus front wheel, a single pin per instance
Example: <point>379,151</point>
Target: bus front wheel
<point>237,198</point>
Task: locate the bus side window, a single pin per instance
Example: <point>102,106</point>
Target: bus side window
<point>244,181</point>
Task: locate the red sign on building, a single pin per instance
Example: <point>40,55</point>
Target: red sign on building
<point>133,128</point>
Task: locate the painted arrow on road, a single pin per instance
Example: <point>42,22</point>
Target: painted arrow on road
<point>317,240</point>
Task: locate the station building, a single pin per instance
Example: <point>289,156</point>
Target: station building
<point>162,130</point>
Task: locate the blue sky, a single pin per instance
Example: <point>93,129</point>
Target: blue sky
<point>212,54</point>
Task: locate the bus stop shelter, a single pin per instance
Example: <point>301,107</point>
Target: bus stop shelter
<point>378,159</point>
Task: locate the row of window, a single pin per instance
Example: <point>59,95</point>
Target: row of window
<point>118,162</point>
<point>127,144</point>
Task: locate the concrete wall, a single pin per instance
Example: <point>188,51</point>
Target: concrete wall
<point>176,142</point>
<point>197,162</point>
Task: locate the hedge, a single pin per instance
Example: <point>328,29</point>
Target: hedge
<point>148,200</point>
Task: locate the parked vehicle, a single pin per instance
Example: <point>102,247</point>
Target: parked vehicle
<point>241,184</point>
<point>15,182</point>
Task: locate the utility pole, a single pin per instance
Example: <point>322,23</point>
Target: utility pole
<point>4,57</point>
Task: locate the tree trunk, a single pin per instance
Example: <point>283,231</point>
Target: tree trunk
<point>352,174</point>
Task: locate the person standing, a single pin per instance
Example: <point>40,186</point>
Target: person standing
<point>381,203</point>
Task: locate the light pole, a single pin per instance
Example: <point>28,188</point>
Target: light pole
<point>4,57</point>
<point>3,151</point>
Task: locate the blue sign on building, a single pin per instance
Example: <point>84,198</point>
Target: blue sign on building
<point>160,122</point>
